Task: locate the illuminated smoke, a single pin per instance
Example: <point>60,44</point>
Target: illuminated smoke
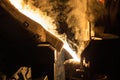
<point>70,19</point>
<point>96,10</point>
<point>61,17</point>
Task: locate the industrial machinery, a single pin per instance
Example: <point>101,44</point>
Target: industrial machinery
<point>29,52</point>
<point>25,44</point>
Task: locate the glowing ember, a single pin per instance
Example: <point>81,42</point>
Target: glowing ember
<point>47,22</point>
<point>102,1</point>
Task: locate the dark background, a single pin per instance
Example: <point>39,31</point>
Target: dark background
<point>19,47</point>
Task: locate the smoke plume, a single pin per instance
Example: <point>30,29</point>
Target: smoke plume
<point>70,18</point>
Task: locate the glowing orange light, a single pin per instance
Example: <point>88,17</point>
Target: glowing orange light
<point>44,20</point>
<point>73,54</point>
<point>102,1</point>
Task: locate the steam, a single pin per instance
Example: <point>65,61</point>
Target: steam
<point>96,9</point>
<point>67,18</point>
<point>70,19</point>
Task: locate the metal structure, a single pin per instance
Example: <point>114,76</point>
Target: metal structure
<point>29,45</point>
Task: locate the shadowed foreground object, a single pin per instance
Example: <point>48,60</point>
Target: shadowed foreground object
<point>21,45</point>
<point>104,58</point>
